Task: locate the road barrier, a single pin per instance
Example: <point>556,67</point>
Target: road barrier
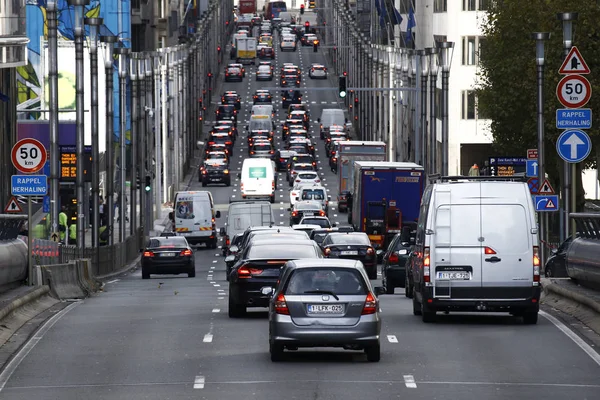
<point>72,280</point>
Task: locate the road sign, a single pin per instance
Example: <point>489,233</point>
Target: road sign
<point>29,185</point>
<point>574,63</point>
<point>573,145</point>
<point>533,185</point>
<point>13,206</point>
<point>46,204</point>
<point>29,156</point>
<point>544,203</point>
<point>574,91</point>
<point>55,237</point>
<point>531,168</point>
<point>532,154</point>
<point>580,118</point>
<point>546,188</point>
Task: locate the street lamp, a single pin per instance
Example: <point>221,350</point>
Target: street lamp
<point>433,73</point>
<point>540,39</point>
<point>425,152</point>
<point>569,180</point>
<point>133,139</point>
<point>122,53</point>
<point>446,52</point>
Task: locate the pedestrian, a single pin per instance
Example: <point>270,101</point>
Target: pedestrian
<point>474,171</point>
<point>101,211</point>
<point>73,234</point>
<point>62,224</point>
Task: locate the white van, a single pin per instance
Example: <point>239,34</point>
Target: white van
<point>329,117</point>
<point>194,217</point>
<point>476,249</point>
<point>263,109</point>
<point>257,179</point>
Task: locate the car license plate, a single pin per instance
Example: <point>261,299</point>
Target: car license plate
<point>454,276</point>
<point>215,179</point>
<point>325,309</point>
<point>168,254</point>
<point>306,214</point>
<point>349,253</point>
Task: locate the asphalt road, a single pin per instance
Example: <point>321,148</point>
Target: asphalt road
<point>170,337</point>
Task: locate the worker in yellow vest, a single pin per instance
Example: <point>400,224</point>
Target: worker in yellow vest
<point>103,235</point>
<point>73,234</point>
<point>62,224</point>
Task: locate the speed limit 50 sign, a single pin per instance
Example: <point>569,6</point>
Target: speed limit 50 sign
<point>574,91</point>
<point>29,156</point>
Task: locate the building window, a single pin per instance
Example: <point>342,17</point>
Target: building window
<point>480,47</point>
<point>440,6</point>
<point>471,48</point>
<point>475,5</point>
<point>468,104</point>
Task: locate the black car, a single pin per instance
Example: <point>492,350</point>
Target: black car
<point>262,96</point>
<point>344,200</point>
<point>393,269</point>
<point>290,97</point>
<point>170,255</point>
<point>556,264</point>
<point>231,124</point>
<point>215,172</point>
<point>226,112</point>
<point>352,245</point>
<point>318,235</point>
<point>224,139</point>
<point>259,266</point>
<point>231,97</point>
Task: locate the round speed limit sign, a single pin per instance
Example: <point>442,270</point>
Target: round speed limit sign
<point>574,91</point>
<point>29,156</point>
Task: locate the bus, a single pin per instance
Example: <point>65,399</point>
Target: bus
<point>273,8</point>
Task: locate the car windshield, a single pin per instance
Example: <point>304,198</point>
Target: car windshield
<point>335,280</point>
<point>313,194</point>
<point>166,242</point>
<point>322,222</point>
<point>260,125</point>
<point>349,239</point>
<point>282,251</point>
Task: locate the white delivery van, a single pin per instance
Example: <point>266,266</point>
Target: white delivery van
<point>476,248</point>
<point>194,217</point>
<point>257,179</point>
<point>329,117</point>
<point>263,109</point>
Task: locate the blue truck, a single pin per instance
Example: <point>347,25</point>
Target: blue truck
<point>386,197</point>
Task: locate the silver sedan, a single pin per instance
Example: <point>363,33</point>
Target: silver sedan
<point>324,303</point>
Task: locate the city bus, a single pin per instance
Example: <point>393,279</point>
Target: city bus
<point>273,8</point>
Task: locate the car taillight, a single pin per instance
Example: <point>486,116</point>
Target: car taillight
<point>426,264</point>
<point>228,143</point>
<point>298,180</point>
<point>186,252</point>
<point>242,186</point>
<point>294,213</point>
<point>327,251</point>
<point>246,272</point>
<point>370,251</point>
<point>317,181</point>
<point>394,258</point>
<point>203,172</point>
<point>281,159</point>
<point>251,152</point>
<point>211,143</point>
<point>227,240</point>
<point>281,306</point>
<point>536,264</point>
<point>489,250</point>
<point>370,306</point>
<point>322,213</point>
<point>272,184</point>
<point>148,254</point>
<point>314,163</point>
<point>226,172</point>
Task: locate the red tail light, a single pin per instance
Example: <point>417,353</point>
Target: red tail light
<point>426,265</point>
<point>394,258</point>
<point>370,306</point>
<point>272,152</point>
<point>370,251</point>
<point>489,250</point>
<point>294,213</point>
<point>281,159</point>
<point>322,213</point>
<point>251,152</point>
<point>148,254</point>
<point>227,240</point>
<point>186,253</point>
<point>281,306</point>
<point>536,264</point>
<point>246,272</point>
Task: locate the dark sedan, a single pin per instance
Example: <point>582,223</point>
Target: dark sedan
<point>215,172</point>
<point>231,97</point>
<point>556,264</point>
<point>352,245</point>
<point>393,269</point>
<point>168,255</point>
<point>226,112</point>
<point>290,97</point>
<point>259,267</point>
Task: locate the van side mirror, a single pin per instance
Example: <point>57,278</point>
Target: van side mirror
<point>234,249</point>
<point>218,214</point>
<point>222,231</point>
<point>319,120</point>
<point>172,216</point>
<point>297,198</point>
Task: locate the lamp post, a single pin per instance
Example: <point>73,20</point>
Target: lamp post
<point>158,132</point>
<point>122,53</point>
<point>433,73</point>
<point>133,139</point>
<point>79,34</point>
<point>53,116</point>
<point>569,193</point>
<point>446,51</point>
<point>149,110</point>
<point>540,39</point>
<point>164,59</point>
<point>94,24</point>
<point>142,140</point>
<point>391,58</point>
<point>425,151</point>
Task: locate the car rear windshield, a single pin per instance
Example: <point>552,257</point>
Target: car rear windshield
<point>308,176</point>
<point>336,280</point>
<point>260,125</point>
<point>313,194</point>
<point>282,251</point>
<point>171,241</point>
<point>350,239</point>
<point>323,223</point>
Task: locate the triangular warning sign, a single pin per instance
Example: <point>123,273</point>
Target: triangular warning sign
<point>13,206</point>
<point>546,188</point>
<point>574,63</point>
<point>550,204</point>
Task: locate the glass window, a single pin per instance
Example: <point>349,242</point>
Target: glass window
<point>469,50</point>
<point>440,6</point>
<point>171,241</point>
<point>469,5</point>
<point>468,104</point>
<point>281,251</point>
<point>349,239</point>
<point>336,280</point>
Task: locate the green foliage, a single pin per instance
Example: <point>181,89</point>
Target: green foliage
<point>507,87</point>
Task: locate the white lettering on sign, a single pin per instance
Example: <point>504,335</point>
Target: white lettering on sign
<point>29,180</point>
<point>572,114</point>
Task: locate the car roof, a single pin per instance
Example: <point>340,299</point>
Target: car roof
<point>324,262</point>
<point>309,204</point>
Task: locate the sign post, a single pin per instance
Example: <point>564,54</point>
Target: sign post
<point>573,145</point>
<point>29,156</point>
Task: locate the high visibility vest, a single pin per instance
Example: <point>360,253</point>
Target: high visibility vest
<point>73,231</point>
<point>102,229</point>
<point>63,220</point>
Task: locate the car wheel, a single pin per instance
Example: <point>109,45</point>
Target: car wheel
<point>530,318</point>
<point>389,288</point>
<point>145,274</point>
<point>373,353</point>
<point>228,183</point>
<point>416,304</point>
<point>192,273</point>
<point>272,199</point>
<point>408,290</point>
<point>276,351</point>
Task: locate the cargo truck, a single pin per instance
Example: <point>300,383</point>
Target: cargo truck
<point>386,198</point>
<point>246,50</point>
<point>247,6</point>
<point>349,152</point>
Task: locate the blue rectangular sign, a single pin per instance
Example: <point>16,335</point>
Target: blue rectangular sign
<point>531,169</point>
<point>545,203</point>
<point>29,185</point>
<point>46,204</point>
<point>577,118</point>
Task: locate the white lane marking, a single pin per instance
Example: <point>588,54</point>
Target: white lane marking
<point>213,282</point>
<point>214,261</point>
<point>573,336</point>
<point>216,285</point>
<point>209,336</point>
<point>335,215</point>
<point>281,215</point>
<point>217,255</point>
<point>24,351</point>
<point>392,338</point>
<point>220,298</point>
<point>117,280</point>
<point>199,382</point>
<point>212,267</point>
<point>216,310</point>
<point>409,381</point>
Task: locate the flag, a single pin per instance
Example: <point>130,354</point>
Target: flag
<point>396,18</point>
<point>381,11</point>
<point>410,25</point>
<point>378,7</point>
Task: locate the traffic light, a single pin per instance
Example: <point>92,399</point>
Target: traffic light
<point>148,183</point>
<point>315,45</point>
<point>301,9</point>
<point>342,86</point>
<point>306,27</point>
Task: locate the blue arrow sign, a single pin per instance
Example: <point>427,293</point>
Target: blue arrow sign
<point>531,168</point>
<point>573,146</point>
<point>544,203</point>
<point>576,118</point>
<point>29,185</point>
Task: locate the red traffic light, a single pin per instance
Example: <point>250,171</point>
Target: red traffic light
<point>301,5</point>
<point>345,73</point>
<point>218,48</point>
<point>307,24</point>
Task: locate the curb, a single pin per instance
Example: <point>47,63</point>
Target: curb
<point>21,301</point>
<point>132,266</point>
<point>553,288</point>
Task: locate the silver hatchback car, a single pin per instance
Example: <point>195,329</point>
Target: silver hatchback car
<point>324,303</point>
